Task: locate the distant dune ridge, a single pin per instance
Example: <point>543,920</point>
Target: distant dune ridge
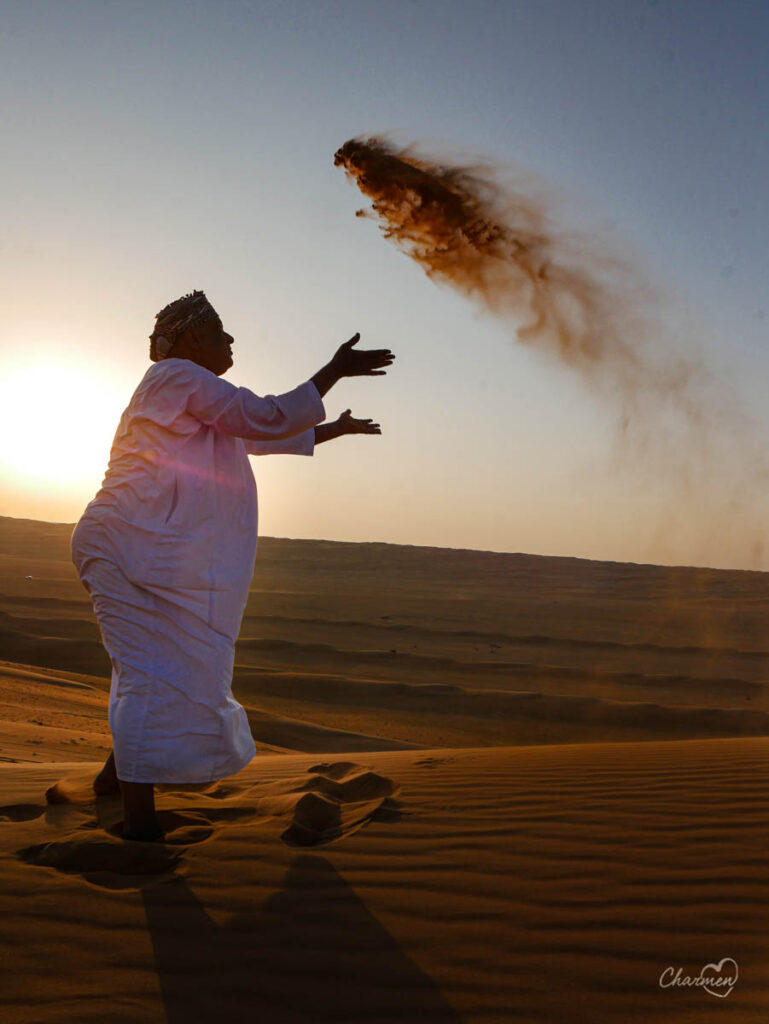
<point>489,787</point>
<point>431,646</point>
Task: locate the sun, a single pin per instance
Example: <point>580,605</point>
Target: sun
<point>57,422</point>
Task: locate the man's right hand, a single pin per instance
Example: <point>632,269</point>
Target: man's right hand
<point>353,362</point>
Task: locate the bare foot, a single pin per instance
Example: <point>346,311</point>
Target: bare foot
<point>139,819</point>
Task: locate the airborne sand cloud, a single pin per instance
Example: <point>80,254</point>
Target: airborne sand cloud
<point>498,245</point>
<point>576,299</point>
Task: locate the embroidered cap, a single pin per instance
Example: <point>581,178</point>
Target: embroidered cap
<point>188,311</point>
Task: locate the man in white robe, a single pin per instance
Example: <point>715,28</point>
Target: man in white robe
<point>166,549</point>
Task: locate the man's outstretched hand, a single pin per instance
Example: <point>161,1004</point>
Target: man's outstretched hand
<point>350,425</point>
<point>355,362</point>
<point>346,424</point>
<point>352,362</point>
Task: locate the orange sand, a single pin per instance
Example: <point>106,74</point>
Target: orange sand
<point>489,788</point>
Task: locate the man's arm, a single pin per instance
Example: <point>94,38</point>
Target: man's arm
<point>299,444</point>
<point>242,413</point>
<point>304,443</point>
<point>328,431</point>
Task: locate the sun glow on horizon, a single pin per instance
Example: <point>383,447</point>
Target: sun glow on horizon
<point>57,422</point>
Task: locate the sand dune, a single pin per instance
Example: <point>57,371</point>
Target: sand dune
<point>71,711</point>
<point>430,647</point>
<point>550,883</point>
<point>488,788</point>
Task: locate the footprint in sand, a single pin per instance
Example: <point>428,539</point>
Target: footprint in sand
<point>97,852</point>
<point>432,762</point>
<point>181,828</point>
<point>334,800</point>
<point>21,812</point>
<point>340,798</point>
<point>106,862</point>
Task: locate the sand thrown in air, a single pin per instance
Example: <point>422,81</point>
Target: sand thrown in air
<point>575,298</point>
<point>500,247</point>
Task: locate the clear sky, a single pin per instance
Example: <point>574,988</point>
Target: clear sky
<point>150,148</point>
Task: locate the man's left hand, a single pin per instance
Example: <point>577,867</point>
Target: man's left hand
<point>350,425</point>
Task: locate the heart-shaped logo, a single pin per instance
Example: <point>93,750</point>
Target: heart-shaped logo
<point>719,979</point>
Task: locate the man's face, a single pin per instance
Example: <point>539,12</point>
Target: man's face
<point>211,346</point>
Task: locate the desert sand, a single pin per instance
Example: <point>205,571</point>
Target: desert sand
<point>489,788</point>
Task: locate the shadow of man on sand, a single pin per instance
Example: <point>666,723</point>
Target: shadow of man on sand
<point>310,953</point>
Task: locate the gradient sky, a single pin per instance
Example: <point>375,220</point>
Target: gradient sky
<point>153,148</point>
